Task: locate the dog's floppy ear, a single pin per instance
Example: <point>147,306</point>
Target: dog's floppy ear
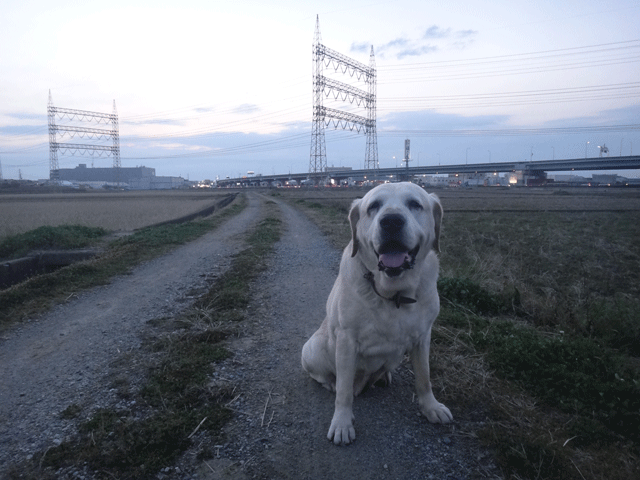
<point>354,216</point>
<point>436,208</point>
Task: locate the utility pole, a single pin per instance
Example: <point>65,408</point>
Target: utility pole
<point>407,154</point>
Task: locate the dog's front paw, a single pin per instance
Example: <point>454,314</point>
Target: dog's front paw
<point>341,431</point>
<point>435,411</point>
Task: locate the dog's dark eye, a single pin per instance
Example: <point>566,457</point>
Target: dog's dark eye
<point>373,207</point>
<point>414,205</point>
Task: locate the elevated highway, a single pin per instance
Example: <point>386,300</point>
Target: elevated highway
<point>527,168</point>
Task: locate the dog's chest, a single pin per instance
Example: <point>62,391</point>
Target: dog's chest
<point>390,336</point>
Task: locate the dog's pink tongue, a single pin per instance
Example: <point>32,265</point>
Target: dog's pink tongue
<point>393,260</point>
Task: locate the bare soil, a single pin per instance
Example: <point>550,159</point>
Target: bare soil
<point>281,417</point>
<point>118,211</point>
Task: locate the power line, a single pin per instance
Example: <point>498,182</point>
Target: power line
<point>428,76</point>
<point>627,44</point>
<point>526,97</point>
<point>511,131</point>
<point>285,143</point>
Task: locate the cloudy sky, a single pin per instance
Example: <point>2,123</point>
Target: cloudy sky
<point>207,89</point>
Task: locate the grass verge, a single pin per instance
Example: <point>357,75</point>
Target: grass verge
<point>176,407</point>
<point>537,340</point>
<point>63,237</point>
<point>39,293</point>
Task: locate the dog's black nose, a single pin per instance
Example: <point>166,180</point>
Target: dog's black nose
<point>392,222</point>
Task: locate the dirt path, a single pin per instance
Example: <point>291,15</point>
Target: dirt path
<point>281,416</point>
<point>63,357</point>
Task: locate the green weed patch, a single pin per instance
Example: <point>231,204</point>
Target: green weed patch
<point>576,375</point>
<point>114,442</point>
<point>232,292</point>
<point>466,293</point>
<point>177,400</point>
<point>63,237</point>
<point>595,387</point>
<point>614,320</point>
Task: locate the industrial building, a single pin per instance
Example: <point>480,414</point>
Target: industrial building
<point>138,178</point>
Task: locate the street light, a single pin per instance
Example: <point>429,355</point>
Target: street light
<point>466,161</point>
<point>585,149</point>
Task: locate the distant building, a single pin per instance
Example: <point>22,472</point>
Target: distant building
<point>138,178</point>
<point>83,174</point>
<point>604,179</point>
<point>157,183</point>
<point>571,178</point>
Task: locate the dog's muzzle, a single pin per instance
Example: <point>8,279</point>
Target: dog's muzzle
<point>394,257</point>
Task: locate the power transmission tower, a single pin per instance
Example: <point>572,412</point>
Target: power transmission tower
<point>115,139</point>
<point>318,158</point>
<point>371,155</point>
<point>323,116</point>
<point>54,173</point>
<point>73,130</point>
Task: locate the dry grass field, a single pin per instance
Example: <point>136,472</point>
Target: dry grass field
<point>114,211</point>
<point>499,199</point>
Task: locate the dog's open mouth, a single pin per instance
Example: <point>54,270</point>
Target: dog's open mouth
<point>394,258</point>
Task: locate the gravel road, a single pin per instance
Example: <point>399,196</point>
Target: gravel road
<point>281,416</point>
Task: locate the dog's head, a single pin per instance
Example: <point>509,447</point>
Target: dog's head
<point>395,225</point>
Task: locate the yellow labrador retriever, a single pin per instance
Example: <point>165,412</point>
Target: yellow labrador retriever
<point>382,304</point>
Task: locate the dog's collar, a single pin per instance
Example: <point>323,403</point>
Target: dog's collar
<point>397,298</point>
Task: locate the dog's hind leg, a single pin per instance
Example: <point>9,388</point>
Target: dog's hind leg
<point>315,361</point>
